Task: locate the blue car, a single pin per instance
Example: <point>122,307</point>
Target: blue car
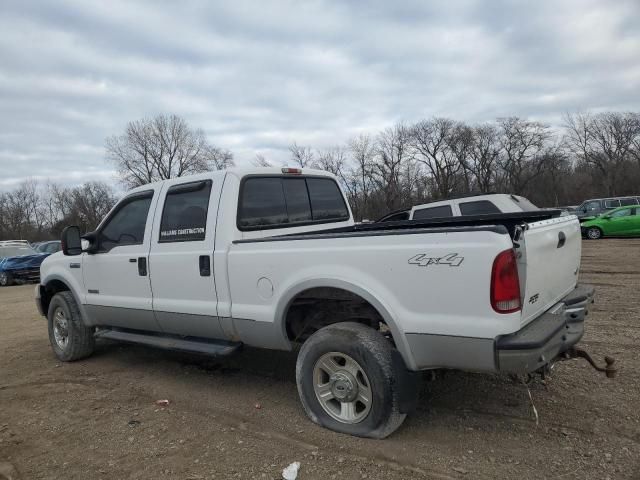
<point>19,262</point>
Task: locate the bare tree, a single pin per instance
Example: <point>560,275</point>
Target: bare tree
<point>363,152</point>
<point>523,144</point>
<point>431,142</point>
<point>604,140</point>
<point>483,156</point>
<point>160,148</point>
<point>393,150</point>
<point>261,161</point>
<point>301,156</point>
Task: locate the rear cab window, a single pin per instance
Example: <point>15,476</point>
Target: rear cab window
<point>433,212</point>
<point>268,202</point>
<point>478,207</point>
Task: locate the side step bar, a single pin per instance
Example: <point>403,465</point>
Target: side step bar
<point>216,348</point>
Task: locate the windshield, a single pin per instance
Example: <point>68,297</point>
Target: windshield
<point>16,251</point>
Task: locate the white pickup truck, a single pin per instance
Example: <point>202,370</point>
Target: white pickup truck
<point>272,258</point>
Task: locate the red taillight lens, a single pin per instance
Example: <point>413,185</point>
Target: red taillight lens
<point>505,284</point>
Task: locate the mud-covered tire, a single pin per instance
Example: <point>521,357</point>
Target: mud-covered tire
<point>375,355</point>
<point>594,233</point>
<point>80,341</point>
<point>6,279</point>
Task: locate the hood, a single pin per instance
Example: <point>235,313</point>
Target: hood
<point>23,261</point>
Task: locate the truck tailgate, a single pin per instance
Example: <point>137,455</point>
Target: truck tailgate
<point>548,263</point>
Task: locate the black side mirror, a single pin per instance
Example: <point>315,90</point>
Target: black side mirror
<point>71,243</point>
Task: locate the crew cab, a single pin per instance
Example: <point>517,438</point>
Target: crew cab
<point>272,258</point>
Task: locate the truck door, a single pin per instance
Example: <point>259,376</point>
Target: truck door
<point>118,291</point>
<point>181,258</point>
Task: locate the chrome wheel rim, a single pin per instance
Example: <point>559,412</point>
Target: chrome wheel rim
<point>3,278</point>
<point>342,387</point>
<point>60,328</point>
<point>593,233</point>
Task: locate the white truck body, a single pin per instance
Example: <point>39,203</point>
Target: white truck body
<point>430,286</point>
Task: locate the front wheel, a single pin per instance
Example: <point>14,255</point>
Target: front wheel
<point>70,338</point>
<point>348,380</point>
<point>594,233</point>
<point>6,279</point>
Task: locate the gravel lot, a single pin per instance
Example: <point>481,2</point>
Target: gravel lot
<point>240,418</point>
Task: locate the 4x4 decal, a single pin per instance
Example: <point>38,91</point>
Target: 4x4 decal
<point>423,260</point>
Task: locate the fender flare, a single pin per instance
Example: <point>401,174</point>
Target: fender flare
<point>73,290</point>
<point>398,334</point>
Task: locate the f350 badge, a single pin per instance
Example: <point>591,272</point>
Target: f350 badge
<point>423,260</point>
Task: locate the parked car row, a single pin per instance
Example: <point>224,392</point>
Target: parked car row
<point>590,209</point>
<point>20,261</point>
<point>615,216</point>
<point>464,206</point>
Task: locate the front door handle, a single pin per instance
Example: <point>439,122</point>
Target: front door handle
<point>142,266</point>
<point>204,262</point>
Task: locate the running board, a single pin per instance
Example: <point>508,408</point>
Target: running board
<point>216,348</point>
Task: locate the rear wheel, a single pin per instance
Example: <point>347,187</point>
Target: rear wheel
<point>6,279</point>
<point>594,233</point>
<point>70,338</point>
<point>347,380</point>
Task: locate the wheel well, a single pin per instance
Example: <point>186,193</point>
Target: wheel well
<point>314,308</point>
<point>49,290</point>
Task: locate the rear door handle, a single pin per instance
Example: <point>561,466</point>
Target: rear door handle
<point>142,266</point>
<point>204,262</point>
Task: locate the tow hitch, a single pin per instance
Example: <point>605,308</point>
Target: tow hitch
<point>609,369</point>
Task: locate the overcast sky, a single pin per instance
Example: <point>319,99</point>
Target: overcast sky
<point>255,76</point>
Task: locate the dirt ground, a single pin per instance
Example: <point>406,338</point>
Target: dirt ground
<point>98,418</point>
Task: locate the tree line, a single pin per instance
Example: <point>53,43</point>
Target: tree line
<point>590,156</point>
<point>38,212</point>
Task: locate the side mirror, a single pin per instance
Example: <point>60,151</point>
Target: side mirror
<point>71,244</point>
<point>89,243</point>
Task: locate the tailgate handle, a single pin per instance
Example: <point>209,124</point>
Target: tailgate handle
<point>562,238</point>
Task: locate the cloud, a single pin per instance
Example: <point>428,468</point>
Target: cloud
<point>258,75</point>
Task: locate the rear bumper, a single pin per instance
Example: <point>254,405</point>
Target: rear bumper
<point>546,337</point>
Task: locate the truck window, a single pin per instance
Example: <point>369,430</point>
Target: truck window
<point>297,200</point>
<point>272,202</point>
<point>126,226</point>
<point>478,207</point>
<point>628,201</point>
<point>262,203</point>
<point>611,203</point>
<point>326,200</point>
<point>184,216</point>
<point>433,212</point>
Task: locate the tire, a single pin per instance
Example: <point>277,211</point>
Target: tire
<point>377,379</point>
<point>70,338</point>
<point>594,233</point>
<point>6,279</point>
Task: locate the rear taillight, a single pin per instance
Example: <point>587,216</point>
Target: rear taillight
<point>505,284</point>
